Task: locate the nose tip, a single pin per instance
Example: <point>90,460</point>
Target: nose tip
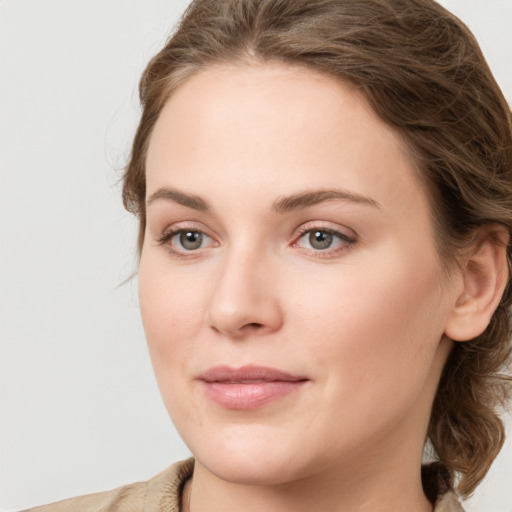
<point>237,323</point>
<point>244,303</point>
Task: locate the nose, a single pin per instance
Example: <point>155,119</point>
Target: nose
<point>245,299</point>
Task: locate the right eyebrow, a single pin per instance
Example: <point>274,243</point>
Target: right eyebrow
<point>171,194</point>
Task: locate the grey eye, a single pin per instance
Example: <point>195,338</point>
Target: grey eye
<point>320,240</point>
<point>191,240</point>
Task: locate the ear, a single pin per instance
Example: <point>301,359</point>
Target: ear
<point>484,277</point>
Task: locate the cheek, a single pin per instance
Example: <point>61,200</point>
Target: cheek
<point>376,329</point>
<point>170,310</point>
<point>170,307</point>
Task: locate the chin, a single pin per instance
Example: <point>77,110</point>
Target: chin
<point>250,470</point>
<point>250,459</point>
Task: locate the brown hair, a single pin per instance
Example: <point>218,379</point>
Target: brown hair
<point>423,73</point>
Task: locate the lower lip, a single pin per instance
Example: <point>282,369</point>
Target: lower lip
<point>249,395</point>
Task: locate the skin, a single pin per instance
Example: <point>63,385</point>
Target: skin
<point>364,320</point>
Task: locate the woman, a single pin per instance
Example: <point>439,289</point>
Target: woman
<point>325,193</point>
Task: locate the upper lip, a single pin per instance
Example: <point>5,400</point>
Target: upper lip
<point>248,374</point>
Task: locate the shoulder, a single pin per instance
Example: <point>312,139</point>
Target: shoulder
<point>128,497</point>
<point>163,490</point>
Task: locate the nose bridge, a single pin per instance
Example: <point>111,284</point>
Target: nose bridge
<point>243,299</point>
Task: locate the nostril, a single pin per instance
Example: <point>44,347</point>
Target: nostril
<point>253,326</point>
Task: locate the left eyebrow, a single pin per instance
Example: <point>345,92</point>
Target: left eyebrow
<point>310,198</point>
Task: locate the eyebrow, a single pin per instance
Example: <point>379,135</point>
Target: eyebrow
<point>310,198</point>
<point>171,194</point>
<point>281,205</point>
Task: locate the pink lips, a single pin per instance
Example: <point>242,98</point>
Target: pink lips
<point>248,387</point>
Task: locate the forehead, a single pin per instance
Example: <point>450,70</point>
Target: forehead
<point>287,126</point>
<point>287,103</point>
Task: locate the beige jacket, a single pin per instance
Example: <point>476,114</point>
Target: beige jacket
<point>163,494</point>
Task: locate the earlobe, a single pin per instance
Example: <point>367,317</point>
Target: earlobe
<point>485,274</point>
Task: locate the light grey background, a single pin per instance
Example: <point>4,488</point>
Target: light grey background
<point>80,411</point>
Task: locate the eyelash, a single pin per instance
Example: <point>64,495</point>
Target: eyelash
<point>345,241</point>
<point>166,237</point>
<point>344,244</point>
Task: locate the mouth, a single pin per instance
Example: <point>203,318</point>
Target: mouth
<point>248,387</point>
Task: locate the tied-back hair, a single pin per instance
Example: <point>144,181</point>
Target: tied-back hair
<point>423,73</point>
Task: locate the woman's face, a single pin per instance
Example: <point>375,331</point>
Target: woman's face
<point>291,293</point>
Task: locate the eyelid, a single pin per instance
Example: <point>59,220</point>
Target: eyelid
<point>165,236</point>
<point>330,227</point>
<point>170,230</point>
<point>347,239</point>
